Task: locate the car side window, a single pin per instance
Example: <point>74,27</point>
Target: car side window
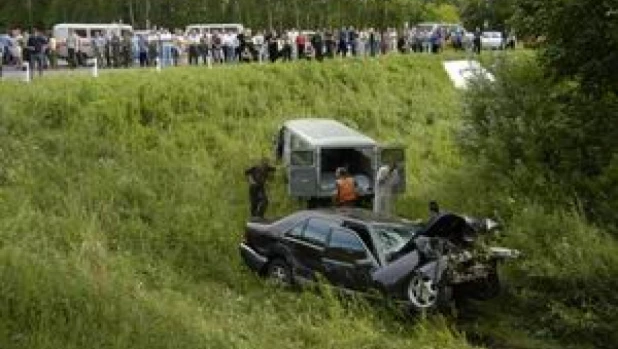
<point>346,243</point>
<point>316,231</point>
<point>363,233</point>
<point>302,158</point>
<point>297,143</point>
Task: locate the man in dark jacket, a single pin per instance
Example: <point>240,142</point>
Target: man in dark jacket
<point>477,41</point>
<point>37,46</point>
<point>257,177</point>
<point>318,46</point>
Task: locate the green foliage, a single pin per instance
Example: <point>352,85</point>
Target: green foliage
<point>568,277</point>
<point>562,133</point>
<point>123,201</point>
<point>277,14</point>
<point>586,52</point>
<point>546,133</point>
<point>444,13</point>
<point>526,145</point>
<point>489,14</point>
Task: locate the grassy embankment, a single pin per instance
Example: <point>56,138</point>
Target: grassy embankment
<point>122,201</point>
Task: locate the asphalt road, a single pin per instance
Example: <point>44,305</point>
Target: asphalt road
<point>14,74</point>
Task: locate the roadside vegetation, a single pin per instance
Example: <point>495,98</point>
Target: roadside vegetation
<point>122,202</point>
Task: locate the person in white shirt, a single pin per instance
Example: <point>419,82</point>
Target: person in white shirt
<point>392,36</point>
<point>194,47</point>
<point>292,35</point>
<point>387,179</point>
<point>228,48</point>
<point>73,48</point>
<point>235,43</point>
<point>258,44</point>
<point>206,47</point>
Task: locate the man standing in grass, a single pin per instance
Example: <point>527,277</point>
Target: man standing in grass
<point>127,50</point>
<point>52,51</point>
<point>386,181</point>
<point>194,44</point>
<point>257,177</point>
<point>477,41</point>
<point>72,49</point>
<point>37,45</point>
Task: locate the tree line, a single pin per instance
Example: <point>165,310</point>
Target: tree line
<point>262,14</point>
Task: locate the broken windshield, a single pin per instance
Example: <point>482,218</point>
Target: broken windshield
<point>392,237</point>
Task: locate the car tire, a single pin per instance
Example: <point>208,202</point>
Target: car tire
<point>423,294</point>
<point>279,272</point>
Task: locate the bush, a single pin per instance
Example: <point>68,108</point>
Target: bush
<point>544,138</point>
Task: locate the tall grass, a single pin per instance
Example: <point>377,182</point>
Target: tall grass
<point>122,201</point>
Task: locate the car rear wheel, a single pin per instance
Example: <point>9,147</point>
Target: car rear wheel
<point>279,272</point>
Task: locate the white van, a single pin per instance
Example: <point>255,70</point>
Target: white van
<point>86,32</point>
<point>210,28</point>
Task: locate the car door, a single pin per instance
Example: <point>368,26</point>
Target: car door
<point>306,242</point>
<point>303,174</point>
<point>346,260</point>
<point>386,155</point>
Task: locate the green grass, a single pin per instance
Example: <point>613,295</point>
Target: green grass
<point>122,201</point>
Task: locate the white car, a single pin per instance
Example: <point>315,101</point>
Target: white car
<point>492,41</point>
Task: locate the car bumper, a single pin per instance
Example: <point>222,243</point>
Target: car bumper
<point>253,259</point>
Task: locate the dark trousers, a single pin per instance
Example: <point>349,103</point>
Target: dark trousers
<point>259,200</point>
<point>37,61</point>
<point>343,49</point>
<point>72,58</point>
<point>143,59</point>
<point>193,55</point>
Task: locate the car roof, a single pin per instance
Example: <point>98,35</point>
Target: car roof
<point>355,214</point>
<point>328,132</point>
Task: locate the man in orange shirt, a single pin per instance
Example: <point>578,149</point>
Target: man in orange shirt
<point>346,189</point>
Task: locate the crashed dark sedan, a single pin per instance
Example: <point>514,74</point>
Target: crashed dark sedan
<point>424,265</point>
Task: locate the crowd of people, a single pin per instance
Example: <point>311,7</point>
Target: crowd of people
<point>290,45</point>
<point>149,48</point>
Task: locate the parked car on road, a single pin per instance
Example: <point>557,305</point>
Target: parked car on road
<point>311,150</point>
<point>86,32</point>
<point>235,28</point>
<point>423,265</point>
<point>492,41</point>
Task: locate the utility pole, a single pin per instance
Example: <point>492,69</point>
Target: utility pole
<point>131,14</point>
<point>147,14</point>
<point>30,14</point>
